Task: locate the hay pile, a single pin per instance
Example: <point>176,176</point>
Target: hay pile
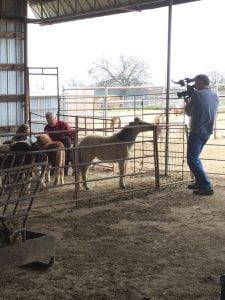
<point>10,233</point>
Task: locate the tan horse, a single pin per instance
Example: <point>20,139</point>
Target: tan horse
<point>177,110</point>
<point>115,122</point>
<point>56,157</point>
<point>159,121</point>
<point>113,148</point>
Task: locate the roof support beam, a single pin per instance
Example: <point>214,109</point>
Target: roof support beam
<point>49,11</point>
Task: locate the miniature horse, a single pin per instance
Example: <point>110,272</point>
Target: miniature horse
<point>55,151</point>
<point>110,148</point>
<point>159,121</point>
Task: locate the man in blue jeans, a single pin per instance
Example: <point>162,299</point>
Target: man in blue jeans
<point>202,108</point>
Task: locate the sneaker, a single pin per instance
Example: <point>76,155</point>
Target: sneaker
<point>203,192</point>
<point>192,186</point>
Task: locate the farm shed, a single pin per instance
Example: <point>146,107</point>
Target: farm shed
<point>141,227</point>
<point>14,70</point>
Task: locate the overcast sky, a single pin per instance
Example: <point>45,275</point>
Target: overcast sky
<point>197,41</point>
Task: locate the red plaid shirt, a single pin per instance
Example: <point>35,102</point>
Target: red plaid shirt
<point>59,136</point>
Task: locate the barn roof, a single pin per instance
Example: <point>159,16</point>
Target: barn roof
<point>56,11</point>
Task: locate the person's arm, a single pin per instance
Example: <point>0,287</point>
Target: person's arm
<point>69,132</point>
<point>187,107</point>
<point>190,103</point>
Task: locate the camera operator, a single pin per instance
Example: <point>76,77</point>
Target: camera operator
<point>202,107</point>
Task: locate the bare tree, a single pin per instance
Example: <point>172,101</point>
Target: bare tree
<point>128,71</point>
<point>72,82</point>
<point>216,77</point>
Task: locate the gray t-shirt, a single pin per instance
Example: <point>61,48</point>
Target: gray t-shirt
<point>202,108</point>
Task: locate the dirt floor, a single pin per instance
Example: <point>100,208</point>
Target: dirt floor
<point>166,244</point>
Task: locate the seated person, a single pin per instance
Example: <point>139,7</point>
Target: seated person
<point>65,137</point>
<point>22,135</point>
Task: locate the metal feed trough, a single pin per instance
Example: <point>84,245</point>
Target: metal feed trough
<point>21,178</point>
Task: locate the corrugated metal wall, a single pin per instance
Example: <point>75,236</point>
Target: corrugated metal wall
<point>12,80</point>
<point>12,62</point>
<point>12,9</point>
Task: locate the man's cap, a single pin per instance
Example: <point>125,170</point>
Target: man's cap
<point>202,77</point>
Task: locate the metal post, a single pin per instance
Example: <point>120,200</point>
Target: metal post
<point>168,85</point>
<point>58,98</point>
<point>105,110</point>
<point>26,71</point>
<point>76,160</point>
<point>156,157</point>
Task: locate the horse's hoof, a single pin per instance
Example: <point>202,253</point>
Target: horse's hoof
<point>87,188</point>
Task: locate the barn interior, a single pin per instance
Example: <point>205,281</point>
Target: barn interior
<point>14,69</point>
<point>155,164</point>
<point>18,106</point>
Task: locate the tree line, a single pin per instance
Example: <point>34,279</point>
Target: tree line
<point>126,71</point>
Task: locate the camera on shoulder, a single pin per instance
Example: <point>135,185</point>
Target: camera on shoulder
<point>189,88</point>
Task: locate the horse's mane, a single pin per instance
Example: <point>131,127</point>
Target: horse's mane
<point>44,139</point>
<point>127,134</point>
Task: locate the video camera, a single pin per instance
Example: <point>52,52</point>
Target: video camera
<point>190,88</point>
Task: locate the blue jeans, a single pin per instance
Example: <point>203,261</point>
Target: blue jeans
<point>196,142</point>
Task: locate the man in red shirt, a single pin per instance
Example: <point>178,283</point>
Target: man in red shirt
<point>60,131</point>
